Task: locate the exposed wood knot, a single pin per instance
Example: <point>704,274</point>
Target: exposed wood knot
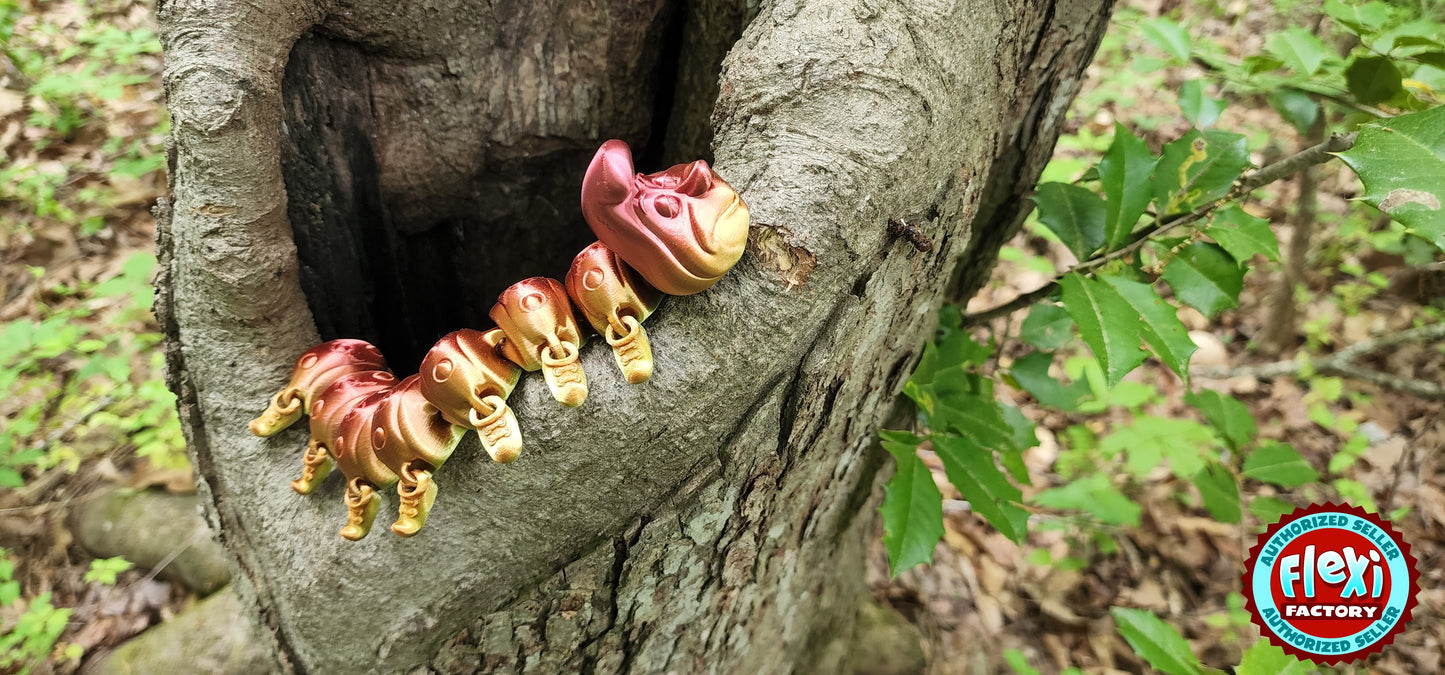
<point>770,245</point>
<point>902,229</point>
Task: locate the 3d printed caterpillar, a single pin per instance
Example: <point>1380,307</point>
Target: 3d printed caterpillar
<point>675,232</point>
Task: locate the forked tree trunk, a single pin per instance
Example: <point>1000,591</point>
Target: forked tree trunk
<point>383,169</point>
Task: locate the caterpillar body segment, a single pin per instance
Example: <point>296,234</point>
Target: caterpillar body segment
<point>327,412</point>
<point>315,370</point>
<point>615,300</point>
<point>541,334</point>
<point>468,380</point>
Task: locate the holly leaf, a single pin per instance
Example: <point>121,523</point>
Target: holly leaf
<point>971,469</point>
<point>1073,213</point>
<point>1373,79</point>
<point>1295,106</point>
<point>1401,161</point>
<point>1095,495</point>
<point>1205,277</point>
<point>912,507</point>
<point>1106,322</point>
<point>1243,235</point>
<point>1369,17</point>
<point>1048,326</point>
<point>1198,107</point>
<point>1226,414</point>
<point>1031,373</point>
<point>1266,659</point>
<point>1197,169</point>
<point>1157,642</point>
<point>1279,464</point>
<point>1127,174</point>
<point>1167,35</point>
<point>1158,323</point>
<point>1219,491</point>
<point>1298,49</point>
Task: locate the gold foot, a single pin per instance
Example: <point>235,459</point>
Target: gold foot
<point>316,466</point>
<point>362,502</point>
<point>418,492</point>
<point>564,373</point>
<point>500,433</point>
<point>632,350</point>
<point>284,410</point>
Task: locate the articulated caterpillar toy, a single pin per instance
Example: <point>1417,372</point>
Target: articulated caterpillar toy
<point>675,232</point>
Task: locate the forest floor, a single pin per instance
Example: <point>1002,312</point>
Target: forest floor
<point>82,128</point>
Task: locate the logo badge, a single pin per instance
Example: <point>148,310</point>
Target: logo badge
<point>1330,583</point>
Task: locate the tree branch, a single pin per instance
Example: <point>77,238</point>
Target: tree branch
<point>1246,184</point>
<point>1341,363</point>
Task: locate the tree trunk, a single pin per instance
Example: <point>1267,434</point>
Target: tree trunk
<point>383,169</point>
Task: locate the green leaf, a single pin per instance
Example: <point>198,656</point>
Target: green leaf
<point>1106,322</point>
<point>1366,18</point>
<point>1269,509</point>
<point>1073,213</point>
<point>1157,642</point>
<point>971,469</point>
<point>1048,326</point>
<point>1243,235</point>
<point>1279,464</point>
<point>1298,49</point>
<point>1168,36</point>
<point>1018,662</point>
<point>1127,174</point>
<point>1219,491</point>
<point>1373,79</point>
<point>1266,659</point>
<point>1095,495</point>
<point>1150,439</point>
<point>10,478</point>
<point>912,506</point>
<point>1158,323</point>
<point>1204,277</point>
<point>1031,372</point>
<point>1226,414</point>
<point>1401,161</point>
<point>1197,169</point>
<point>1436,59</point>
<point>1201,110</point>
<point>1295,106</point>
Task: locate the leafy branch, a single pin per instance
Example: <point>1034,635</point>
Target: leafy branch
<point>1242,188</point>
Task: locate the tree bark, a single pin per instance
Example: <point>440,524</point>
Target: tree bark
<point>381,170</point>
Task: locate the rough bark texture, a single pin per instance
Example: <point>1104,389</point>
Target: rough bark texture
<point>397,163</point>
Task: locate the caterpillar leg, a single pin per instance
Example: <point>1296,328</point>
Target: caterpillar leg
<point>417,492</point>
<point>501,435</point>
<point>286,407</point>
<point>563,371</point>
<point>631,349</point>
<point>317,464</point>
<point>362,502</point>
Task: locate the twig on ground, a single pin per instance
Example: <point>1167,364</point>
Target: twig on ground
<point>1341,363</point>
<point>1246,184</point>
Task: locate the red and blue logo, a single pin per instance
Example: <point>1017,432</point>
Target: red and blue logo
<point>1331,583</point>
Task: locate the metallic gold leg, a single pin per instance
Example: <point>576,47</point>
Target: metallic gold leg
<point>500,433</point>
<point>564,373</point>
<point>362,502</point>
<point>417,492</point>
<point>284,410</point>
<point>317,465</point>
<point>631,349</point>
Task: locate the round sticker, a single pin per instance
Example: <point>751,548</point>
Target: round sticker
<point>1330,583</point>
